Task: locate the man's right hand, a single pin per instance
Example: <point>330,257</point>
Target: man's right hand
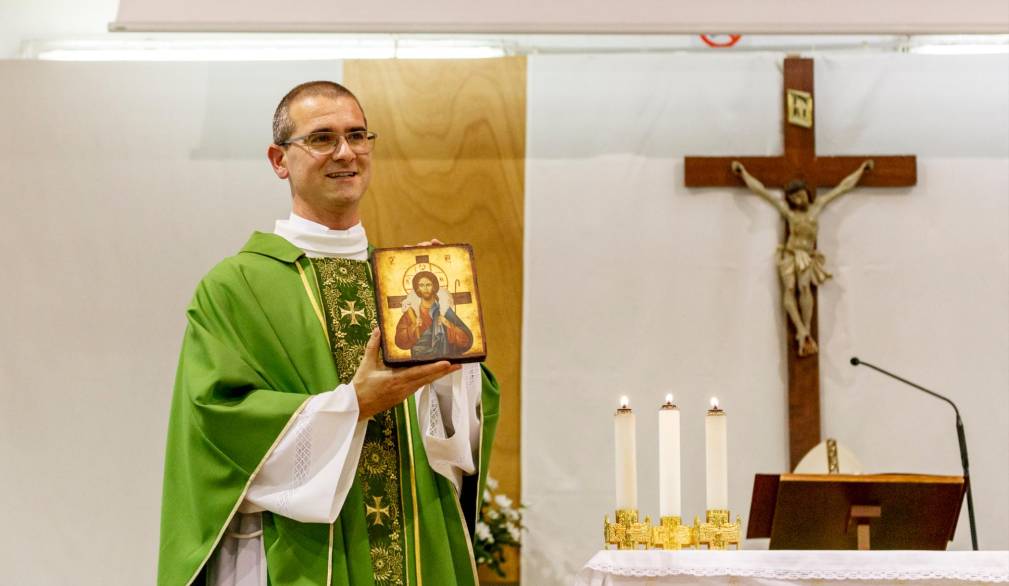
<point>380,388</point>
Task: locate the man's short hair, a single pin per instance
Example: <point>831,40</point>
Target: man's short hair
<point>283,126</point>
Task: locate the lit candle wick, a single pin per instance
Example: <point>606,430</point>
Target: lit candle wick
<point>669,398</point>
<point>624,402</point>
<point>714,403</point>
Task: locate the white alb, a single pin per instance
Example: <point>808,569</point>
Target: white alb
<point>311,469</point>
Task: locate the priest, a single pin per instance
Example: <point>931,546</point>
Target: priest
<point>295,457</point>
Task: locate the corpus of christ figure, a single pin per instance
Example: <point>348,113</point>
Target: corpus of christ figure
<point>800,264</point>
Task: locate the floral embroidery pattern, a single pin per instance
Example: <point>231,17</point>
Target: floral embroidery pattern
<point>349,301</point>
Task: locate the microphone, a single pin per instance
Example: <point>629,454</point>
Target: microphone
<point>959,434</point>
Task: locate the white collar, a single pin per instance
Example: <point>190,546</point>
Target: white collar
<point>319,241</point>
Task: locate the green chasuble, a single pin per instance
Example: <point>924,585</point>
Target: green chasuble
<point>267,328</point>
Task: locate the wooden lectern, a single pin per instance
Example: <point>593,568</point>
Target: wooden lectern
<point>849,511</point>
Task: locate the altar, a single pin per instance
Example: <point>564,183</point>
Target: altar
<point>781,567</point>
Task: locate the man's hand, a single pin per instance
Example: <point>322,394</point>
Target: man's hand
<point>380,388</point>
<point>431,242</point>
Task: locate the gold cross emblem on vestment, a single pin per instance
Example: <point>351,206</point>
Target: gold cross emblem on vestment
<point>352,312</point>
<point>378,510</point>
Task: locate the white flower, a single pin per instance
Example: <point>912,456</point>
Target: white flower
<point>486,495</point>
<point>483,532</point>
<point>514,532</point>
<point>491,483</point>
<point>503,501</point>
<point>492,514</point>
<point>512,515</point>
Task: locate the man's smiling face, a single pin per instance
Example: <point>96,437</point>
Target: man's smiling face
<point>332,183</point>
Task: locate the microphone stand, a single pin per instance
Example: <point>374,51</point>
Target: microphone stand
<point>959,434</point>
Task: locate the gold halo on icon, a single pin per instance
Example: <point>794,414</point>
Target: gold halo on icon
<point>419,268</point>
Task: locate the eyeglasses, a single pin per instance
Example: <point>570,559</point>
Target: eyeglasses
<point>325,143</point>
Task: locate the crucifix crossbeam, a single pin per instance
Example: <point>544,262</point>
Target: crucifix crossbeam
<point>800,162</point>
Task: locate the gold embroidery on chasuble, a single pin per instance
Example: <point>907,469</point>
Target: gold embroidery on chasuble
<point>349,302</point>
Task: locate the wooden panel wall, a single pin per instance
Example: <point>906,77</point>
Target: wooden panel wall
<point>450,164</point>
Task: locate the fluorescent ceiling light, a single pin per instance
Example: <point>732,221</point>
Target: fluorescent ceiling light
<point>311,47</point>
<point>960,44</point>
<point>214,54</point>
<point>961,49</point>
<point>260,50</point>
<point>448,52</point>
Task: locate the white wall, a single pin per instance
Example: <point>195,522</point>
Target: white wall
<point>636,285</point>
<point>123,184</point>
<point>26,20</point>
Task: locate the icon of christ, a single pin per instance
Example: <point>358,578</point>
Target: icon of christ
<point>429,326</point>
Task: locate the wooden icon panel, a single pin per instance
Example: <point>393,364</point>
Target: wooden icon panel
<point>428,304</point>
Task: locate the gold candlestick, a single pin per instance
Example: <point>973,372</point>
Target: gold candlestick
<point>716,532</point>
<point>671,534</point>
<point>627,532</point>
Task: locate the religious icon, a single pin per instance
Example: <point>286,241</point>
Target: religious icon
<point>428,307</point>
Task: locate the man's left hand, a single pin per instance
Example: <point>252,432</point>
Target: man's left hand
<point>379,387</point>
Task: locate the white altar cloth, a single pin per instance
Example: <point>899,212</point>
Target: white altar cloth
<point>780,567</point>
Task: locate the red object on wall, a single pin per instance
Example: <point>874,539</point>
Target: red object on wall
<point>711,42</point>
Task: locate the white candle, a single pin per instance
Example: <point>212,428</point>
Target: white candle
<point>626,457</point>
<point>669,459</point>
<point>716,458</point>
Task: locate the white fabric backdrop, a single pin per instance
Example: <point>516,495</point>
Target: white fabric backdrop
<point>123,184</point>
<point>636,285</point>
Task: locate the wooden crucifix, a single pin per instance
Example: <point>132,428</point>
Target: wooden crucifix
<point>801,170</point>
